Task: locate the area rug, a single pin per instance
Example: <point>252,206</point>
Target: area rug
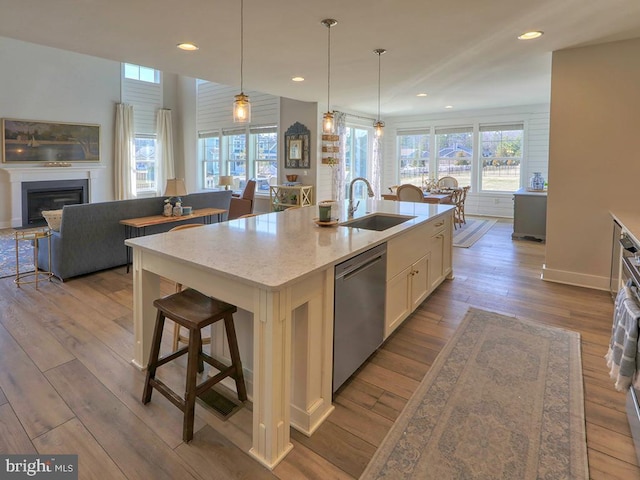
<point>504,399</point>
<point>469,233</point>
<point>8,254</point>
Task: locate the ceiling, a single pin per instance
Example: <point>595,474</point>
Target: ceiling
<point>462,53</point>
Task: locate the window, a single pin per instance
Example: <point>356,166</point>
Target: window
<point>454,153</point>
<point>356,158</point>
<point>413,157</point>
<point>144,74</point>
<point>209,154</point>
<point>235,156</point>
<point>501,157</point>
<point>145,153</point>
<point>141,88</point>
<point>264,154</point>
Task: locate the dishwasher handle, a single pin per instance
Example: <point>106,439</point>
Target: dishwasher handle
<point>359,261</point>
<point>358,268</point>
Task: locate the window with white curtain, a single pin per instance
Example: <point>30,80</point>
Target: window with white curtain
<point>357,157</point>
<point>142,88</point>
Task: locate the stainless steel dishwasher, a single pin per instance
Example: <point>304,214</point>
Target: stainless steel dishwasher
<point>359,301</point>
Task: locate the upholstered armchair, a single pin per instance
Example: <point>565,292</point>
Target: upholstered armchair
<point>242,204</point>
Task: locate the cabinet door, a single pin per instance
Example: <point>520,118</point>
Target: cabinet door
<point>398,303</point>
<point>420,284</point>
<point>437,259</point>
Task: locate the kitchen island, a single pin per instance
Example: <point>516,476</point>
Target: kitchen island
<point>279,269</point>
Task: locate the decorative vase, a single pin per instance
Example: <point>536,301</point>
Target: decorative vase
<point>536,182</point>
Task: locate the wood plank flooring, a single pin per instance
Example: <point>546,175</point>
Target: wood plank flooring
<point>67,385</point>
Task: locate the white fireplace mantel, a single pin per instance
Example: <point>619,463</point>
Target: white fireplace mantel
<point>17,175</point>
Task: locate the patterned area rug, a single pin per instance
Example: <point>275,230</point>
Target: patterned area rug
<point>8,254</point>
<point>504,399</point>
<point>471,231</point>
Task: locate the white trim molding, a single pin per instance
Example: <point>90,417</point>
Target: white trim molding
<point>574,278</point>
<point>17,175</point>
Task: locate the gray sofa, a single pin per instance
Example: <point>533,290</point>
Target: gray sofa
<point>92,239</point>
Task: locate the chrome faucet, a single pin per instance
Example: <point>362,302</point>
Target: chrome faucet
<point>352,208</point>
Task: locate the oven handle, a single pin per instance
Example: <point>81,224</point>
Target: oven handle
<point>627,244</point>
<point>632,270</point>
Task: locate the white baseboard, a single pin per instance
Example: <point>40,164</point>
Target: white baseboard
<point>574,278</point>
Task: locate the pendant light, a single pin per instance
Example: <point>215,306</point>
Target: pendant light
<point>241,104</point>
<point>327,118</point>
<point>379,125</point>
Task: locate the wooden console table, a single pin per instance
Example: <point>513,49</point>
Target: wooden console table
<point>135,227</point>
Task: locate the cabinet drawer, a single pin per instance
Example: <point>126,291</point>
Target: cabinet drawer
<point>406,249</point>
<point>439,224</point>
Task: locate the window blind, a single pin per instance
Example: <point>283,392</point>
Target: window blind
<point>499,127</point>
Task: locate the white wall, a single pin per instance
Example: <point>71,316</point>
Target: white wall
<point>535,152</point>
<point>43,83</point>
<point>594,164</point>
<point>292,111</point>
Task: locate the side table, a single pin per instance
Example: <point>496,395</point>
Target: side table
<point>34,235</point>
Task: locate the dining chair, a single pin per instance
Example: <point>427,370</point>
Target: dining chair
<point>447,182</point>
<point>410,193</point>
<point>463,198</point>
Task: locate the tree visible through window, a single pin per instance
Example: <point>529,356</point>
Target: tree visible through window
<point>454,154</point>
<point>501,151</point>
<point>413,157</point>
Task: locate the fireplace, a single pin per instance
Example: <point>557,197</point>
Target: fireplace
<point>50,195</point>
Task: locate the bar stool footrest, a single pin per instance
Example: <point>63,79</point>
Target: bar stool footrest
<point>167,392</point>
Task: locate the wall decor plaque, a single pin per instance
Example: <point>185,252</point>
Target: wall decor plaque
<point>296,144</point>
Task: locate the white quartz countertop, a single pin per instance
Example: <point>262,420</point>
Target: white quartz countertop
<point>630,221</point>
<point>277,249</point>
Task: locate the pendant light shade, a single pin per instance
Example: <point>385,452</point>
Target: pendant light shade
<point>327,118</point>
<point>241,103</point>
<point>379,125</point>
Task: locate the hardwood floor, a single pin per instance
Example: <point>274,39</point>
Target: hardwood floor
<point>67,386</point>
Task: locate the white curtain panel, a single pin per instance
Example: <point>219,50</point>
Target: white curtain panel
<point>124,153</point>
<point>376,167</point>
<point>164,150</point>
<point>339,174</point>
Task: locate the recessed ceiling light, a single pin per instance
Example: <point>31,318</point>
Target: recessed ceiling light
<point>190,47</point>
<point>449,106</point>
<point>421,95</point>
<point>298,79</point>
<point>530,35</point>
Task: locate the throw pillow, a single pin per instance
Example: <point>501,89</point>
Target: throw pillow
<point>53,218</point>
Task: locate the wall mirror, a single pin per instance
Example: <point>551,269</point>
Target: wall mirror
<point>296,146</point>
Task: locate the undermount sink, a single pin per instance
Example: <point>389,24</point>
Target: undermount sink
<point>377,221</point>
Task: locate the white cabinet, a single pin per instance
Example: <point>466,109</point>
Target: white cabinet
<point>441,253</point>
<point>405,292</point>
<point>417,262</point>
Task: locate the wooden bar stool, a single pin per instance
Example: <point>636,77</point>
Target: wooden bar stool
<point>193,311</point>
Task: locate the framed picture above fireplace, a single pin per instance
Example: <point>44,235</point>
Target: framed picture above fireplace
<point>27,141</point>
